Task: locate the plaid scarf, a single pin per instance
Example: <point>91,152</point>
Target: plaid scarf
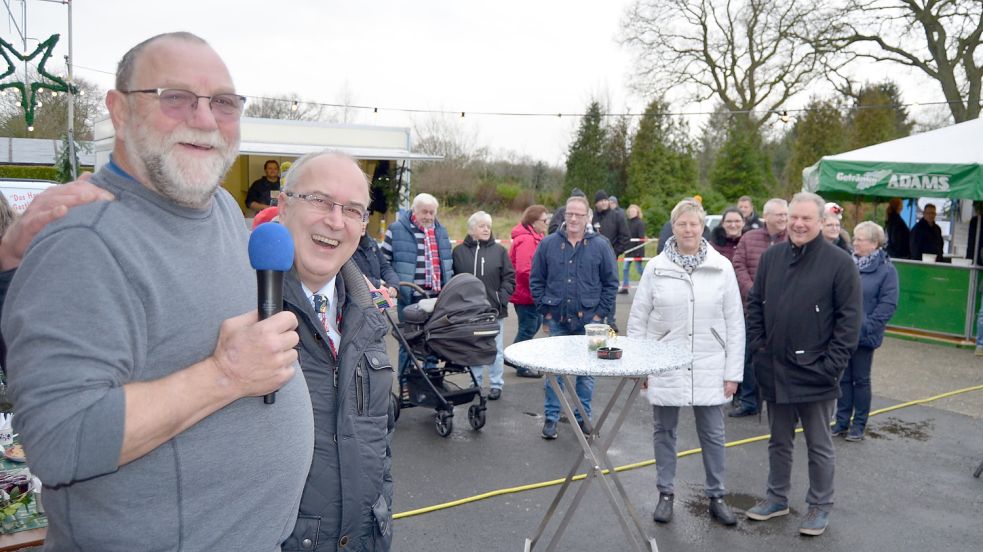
<point>431,255</point>
<point>689,263</point>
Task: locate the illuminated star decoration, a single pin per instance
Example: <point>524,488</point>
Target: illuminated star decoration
<point>30,102</point>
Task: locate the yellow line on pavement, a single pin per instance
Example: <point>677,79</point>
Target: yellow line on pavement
<point>645,463</point>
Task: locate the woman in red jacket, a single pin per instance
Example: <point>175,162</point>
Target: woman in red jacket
<point>525,238</point>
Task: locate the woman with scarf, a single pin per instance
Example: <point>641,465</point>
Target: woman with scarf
<point>879,281</point>
<point>688,297</point>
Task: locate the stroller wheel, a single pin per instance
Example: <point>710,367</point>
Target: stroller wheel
<point>394,400</point>
<point>476,416</point>
<point>444,422</point>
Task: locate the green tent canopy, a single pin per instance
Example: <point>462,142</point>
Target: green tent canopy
<point>947,162</point>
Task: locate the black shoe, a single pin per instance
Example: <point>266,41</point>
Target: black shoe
<point>583,427</point>
<point>720,511</point>
<point>623,291</point>
<point>549,430</point>
<point>855,435</point>
<point>741,412</point>
<point>663,510</point>
<point>494,394</point>
<point>839,431</point>
<point>527,373</point>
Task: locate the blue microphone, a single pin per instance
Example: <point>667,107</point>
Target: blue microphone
<point>271,254</point>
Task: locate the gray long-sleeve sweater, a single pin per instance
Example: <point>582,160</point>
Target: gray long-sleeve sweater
<point>134,290</point>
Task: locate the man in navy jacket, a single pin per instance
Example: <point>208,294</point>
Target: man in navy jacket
<point>574,281</point>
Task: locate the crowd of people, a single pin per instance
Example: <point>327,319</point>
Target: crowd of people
<point>782,313</point>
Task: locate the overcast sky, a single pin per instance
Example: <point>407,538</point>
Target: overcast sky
<point>504,56</point>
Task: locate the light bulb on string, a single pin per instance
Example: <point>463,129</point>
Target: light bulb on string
<point>30,128</point>
<point>462,114</point>
<point>784,117</point>
<point>294,106</point>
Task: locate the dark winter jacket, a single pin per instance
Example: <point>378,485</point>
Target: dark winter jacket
<point>349,489</point>
<point>803,321</point>
<point>843,244</point>
<point>898,237</point>
<point>490,262</point>
<point>525,240</point>
<point>613,225</point>
<point>925,238</point>
<point>724,245</point>
<point>402,248</point>
<point>374,264</point>
<point>880,291</point>
<point>636,229</point>
<point>753,222</point>
<point>748,254</point>
<point>971,241</point>
<point>573,284</point>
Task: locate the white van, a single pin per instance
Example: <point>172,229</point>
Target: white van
<point>21,191</point>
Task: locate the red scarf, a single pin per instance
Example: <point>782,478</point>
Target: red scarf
<point>431,255</point>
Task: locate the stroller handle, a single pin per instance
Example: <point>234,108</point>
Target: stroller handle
<point>416,288</point>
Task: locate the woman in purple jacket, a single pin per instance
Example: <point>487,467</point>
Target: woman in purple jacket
<point>879,281</point>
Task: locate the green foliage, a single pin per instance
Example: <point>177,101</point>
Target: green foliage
<point>742,167</point>
<point>587,164</point>
<point>618,152</point>
<point>661,168</point>
<point>877,116</point>
<point>63,164</point>
<point>29,172</point>
<point>818,132</point>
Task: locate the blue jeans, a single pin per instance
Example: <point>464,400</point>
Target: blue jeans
<point>627,270</point>
<point>529,322</point>
<point>749,387</point>
<point>855,391</point>
<point>584,385</point>
<point>979,328</point>
<point>497,367</point>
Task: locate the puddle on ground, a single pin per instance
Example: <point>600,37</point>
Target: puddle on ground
<point>919,431</point>
<point>697,506</point>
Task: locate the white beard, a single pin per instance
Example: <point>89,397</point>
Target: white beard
<point>185,180</point>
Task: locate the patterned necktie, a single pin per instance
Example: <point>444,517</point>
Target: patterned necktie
<point>321,304</point>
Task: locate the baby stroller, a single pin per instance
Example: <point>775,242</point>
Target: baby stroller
<point>446,335</point>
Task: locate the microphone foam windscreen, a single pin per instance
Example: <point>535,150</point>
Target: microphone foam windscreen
<point>271,248</point>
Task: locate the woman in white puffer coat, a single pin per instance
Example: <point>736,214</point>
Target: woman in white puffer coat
<point>688,297</point>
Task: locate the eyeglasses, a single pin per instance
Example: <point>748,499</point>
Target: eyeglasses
<point>350,211</point>
<point>180,104</point>
<point>570,215</point>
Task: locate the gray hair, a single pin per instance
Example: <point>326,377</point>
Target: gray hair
<point>425,199</point>
<point>289,178</point>
<point>580,199</point>
<point>477,218</point>
<point>772,203</point>
<point>871,231</point>
<point>685,206</point>
<point>127,65</point>
<point>806,197</point>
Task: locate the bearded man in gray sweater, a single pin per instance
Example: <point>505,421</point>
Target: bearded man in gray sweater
<point>136,358</point>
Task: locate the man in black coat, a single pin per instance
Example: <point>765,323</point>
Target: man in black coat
<point>926,236</point>
<point>803,324</point>
<point>611,223</point>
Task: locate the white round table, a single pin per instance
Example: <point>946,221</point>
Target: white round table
<point>566,356</point>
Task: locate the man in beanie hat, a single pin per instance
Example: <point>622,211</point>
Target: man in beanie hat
<point>611,223</point>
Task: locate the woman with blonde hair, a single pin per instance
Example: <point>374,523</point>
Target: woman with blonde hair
<point>688,297</point>
<point>636,229</point>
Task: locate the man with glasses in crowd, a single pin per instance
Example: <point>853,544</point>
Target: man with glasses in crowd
<point>574,282</point>
<point>136,357</point>
<point>348,497</point>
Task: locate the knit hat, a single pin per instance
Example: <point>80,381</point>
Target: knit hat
<point>833,209</point>
<point>599,195</point>
<point>577,192</point>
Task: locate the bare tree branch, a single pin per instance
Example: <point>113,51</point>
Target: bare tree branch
<point>752,55</point>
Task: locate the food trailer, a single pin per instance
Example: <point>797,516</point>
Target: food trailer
<point>384,153</point>
<point>936,299</point>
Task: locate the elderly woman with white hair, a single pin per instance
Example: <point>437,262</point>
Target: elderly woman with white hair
<point>688,297</point>
<point>489,261</point>
<point>879,281</point>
